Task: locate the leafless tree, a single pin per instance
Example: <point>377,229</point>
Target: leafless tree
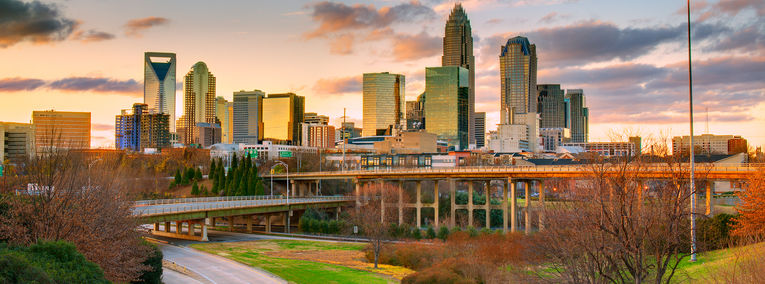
<point>375,216</point>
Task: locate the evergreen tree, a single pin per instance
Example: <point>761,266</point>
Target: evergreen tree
<point>178,177</point>
<point>215,188</point>
<point>195,189</point>
<point>259,189</point>
<point>212,172</point>
<point>198,174</point>
<point>234,161</point>
<point>242,190</point>
<point>203,191</point>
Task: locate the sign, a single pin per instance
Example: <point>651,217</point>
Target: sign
<point>253,153</point>
<point>285,154</point>
<point>272,171</point>
<point>355,229</point>
<point>1,170</point>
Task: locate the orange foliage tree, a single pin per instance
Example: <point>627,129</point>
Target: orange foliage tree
<point>751,222</point>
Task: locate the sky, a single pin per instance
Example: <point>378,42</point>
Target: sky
<point>630,57</point>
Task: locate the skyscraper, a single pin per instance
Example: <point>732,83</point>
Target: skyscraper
<point>281,117</point>
<point>446,107</point>
<point>384,103</point>
<point>458,51</point>
<point>61,129</point>
<point>224,112</point>
<point>137,129</point>
<point>518,73</point>
<point>579,116</point>
<point>480,129</point>
<point>159,83</point>
<point>198,98</point>
<point>248,127</point>
<point>551,106</point>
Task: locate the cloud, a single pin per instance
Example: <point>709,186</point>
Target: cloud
<point>91,36</point>
<point>337,17</point>
<point>552,17</point>
<point>338,85</point>
<point>101,127</point>
<point>135,27</point>
<point>413,47</point>
<point>494,21</point>
<point>20,84</point>
<point>104,85</point>
<point>342,44</point>
<point>32,21</point>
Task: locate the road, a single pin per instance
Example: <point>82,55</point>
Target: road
<point>175,207</point>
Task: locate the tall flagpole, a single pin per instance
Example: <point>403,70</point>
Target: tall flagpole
<point>690,106</point>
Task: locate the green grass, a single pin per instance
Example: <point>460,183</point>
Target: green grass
<point>299,271</point>
<point>710,262</point>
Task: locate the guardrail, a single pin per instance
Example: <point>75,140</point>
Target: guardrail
<point>204,199</point>
<point>159,209</point>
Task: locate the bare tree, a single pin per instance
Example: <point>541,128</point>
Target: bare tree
<point>375,216</point>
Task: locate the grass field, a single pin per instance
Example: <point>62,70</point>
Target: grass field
<point>307,261</point>
<point>712,262</point>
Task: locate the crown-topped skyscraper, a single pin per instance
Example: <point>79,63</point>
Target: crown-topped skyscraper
<point>458,51</point>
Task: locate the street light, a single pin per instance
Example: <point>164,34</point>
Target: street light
<point>288,179</point>
<point>690,106</point>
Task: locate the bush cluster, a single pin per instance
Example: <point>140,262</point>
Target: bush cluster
<point>47,262</point>
<point>317,222</point>
<point>714,232</point>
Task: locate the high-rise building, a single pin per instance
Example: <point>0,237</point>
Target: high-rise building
<point>248,125</point>
<point>314,118</point>
<point>61,129</point>
<point>206,134</point>
<point>518,75</point>
<point>580,116</point>
<point>17,141</point>
<point>552,138</point>
<point>458,51</point>
<point>446,107</point>
<point>413,115</point>
<point>480,129</point>
<point>159,84</point>
<point>137,129</point>
<point>198,99</point>
<point>384,103</point>
<point>551,106</point>
<point>281,117</point>
<point>318,135</point>
<point>224,111</point>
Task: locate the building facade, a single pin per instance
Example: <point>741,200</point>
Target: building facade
<point>224,112</point>
<point>518,77</point>
<point>709,144</point>
<point>137,129</point>
<point>17,141</point>
<point>198,99</point>
<point>580,116</point>
<point>281,117</point>
<point>605,149</point>
<point>446,107</point>
<point>458,51</point>
<point>552,138</point>
<point>314,118</point>
<point>159,84</point>
<point>206,134</point>
<point>384,98</point>
<point>319,135</point>
<point>551,106</point>
<point>408,142</point>
<point>61,129</point>
<point>247,112</point>
<point>480,130</point>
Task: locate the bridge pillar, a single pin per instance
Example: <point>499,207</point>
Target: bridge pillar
<point>294,188</point>
<point>435,202</point>
<point>709,195</point>
<point>156,227</point>
<point>178,227</point>
<point>527,215</point>
<point>541,204</point>
<point>470,203</point>
<point>231,222</point>
<point>400,202</point>
<point>452,192</point>
<point>418,205</point>
<point>487,206</point>
<point>337,212</point>
<point>504,205</point>
<point>249,223</point>
<point>268,223</point>
<point>513,206</point>
<point>167,227</point>
<point>204,232</point>
<point>191,228</point>
<point>358,193</point>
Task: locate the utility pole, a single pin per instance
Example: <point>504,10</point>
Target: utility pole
<point>690,106</point>
<point>345,140</point>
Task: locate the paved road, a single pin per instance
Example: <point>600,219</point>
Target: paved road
<point>172,277</point>
<point>214,268</point>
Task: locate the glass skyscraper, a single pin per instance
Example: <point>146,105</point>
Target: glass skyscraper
<point>198,98</point>
<point>248,128</point>
<point>480,129</point>
<point>458,51</point>
<point>224,113</point>
<point>446,107</point>
<point>579,116</point>
<point>551,106</point>
<point>159,84</point>
<point>281,117</point>
<point>384,103</point>
<point>518,73</point>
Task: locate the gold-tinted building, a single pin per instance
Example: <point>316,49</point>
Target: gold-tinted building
<point>446,106</point>
<point>198,100</point>
<point>458,51</point>
<point>518,75</point>
<point>384,103</point>
<point>60,129</point>
<point>224,111</point>
<point>281,117</point>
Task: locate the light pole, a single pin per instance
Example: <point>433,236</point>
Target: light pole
<point>690,106</point>
<point>288,178</point>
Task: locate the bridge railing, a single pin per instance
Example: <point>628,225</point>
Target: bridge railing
<point>204,199</point>
<point>158,209</point>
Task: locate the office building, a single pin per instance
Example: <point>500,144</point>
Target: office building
<point>458,51</point>
<point>206,134</point>
<point>247,123</point>
<point>17,141</point>
<point>198,100</point>
<point>638,142</point>
<point>314,118</point>
<point>159,84</point>
<point>137,129</point>
<point>604,149</point>
<point>518,75</point>
<point>551,106</point>
<point>552,138</point>
<point>446,107</point>
<point>281,117</point>
<point>318,135</point>
<point>224,112</point>
<point>409,142</point>
<point>349,130</point>
<point>709,144</point>
<point>480,130</point>
<point>580,117</point>
<point>383,106</point>
<point>61,129</point>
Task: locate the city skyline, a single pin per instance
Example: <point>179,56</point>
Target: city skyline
<point>633,76</point>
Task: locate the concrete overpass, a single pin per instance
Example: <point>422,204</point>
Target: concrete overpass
<point>198,213</point>
<point>510,177</point>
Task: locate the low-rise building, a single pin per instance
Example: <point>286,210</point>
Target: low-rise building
<point>410,142</point>
<point>605,149</point>
<point>709,144</point>
<point>17,141</point>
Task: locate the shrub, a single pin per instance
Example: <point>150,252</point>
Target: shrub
<point>60,261</point>
<point>472,232</point>
<point>15,268</point>
<point>443,233</point>
<point>303,224</point>
<point>714,232</point>
<point>430,233</point>
<point>416,234</point>
<point>444,272</point>
<point>486,231</point>
<point>154,263</point>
